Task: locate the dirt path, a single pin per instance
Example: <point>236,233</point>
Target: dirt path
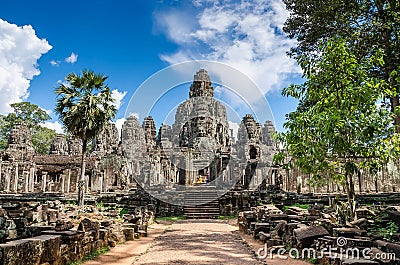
<point>125,254</point>
<point>199,242</point>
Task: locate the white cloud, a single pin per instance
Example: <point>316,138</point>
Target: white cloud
<point>247,35</point>
<point>118,96</point>
<point>20,50</point>
<point>72,58</point>
<point>180,21</point>
<point>55,63</point>
<point>54,126</point>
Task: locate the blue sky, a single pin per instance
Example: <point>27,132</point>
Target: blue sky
<point>131,40</point>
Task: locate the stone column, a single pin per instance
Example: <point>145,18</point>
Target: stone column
<point>62,183</point>
<point>16,177</point>
<point>86,183</point>
<point>26,181</point>
<point>7,181</point>
<point>31,179</point>
<point>68,181</point>
<point>173,174</point>
<point>101,182</point>
<point>44,181</point>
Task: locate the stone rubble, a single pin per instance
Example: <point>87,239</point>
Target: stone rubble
<point>53,233</point>
<point>317,229</point>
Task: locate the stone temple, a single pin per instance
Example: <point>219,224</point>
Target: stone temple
<point>198,148</point>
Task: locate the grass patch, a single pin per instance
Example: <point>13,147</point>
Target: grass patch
<point>302,206</point>
<point>227,217</point>
<point>91,256</point>
<point>170,218</point>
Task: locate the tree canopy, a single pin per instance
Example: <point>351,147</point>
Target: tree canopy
<point>85,106</point>
<point>368,26</point>
<point>32,116</point>
<point>340,124</point>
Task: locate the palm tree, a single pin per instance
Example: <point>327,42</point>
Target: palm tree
<point>85,106</point>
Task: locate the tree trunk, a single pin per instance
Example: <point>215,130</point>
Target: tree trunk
<point>81,182</point>
<point>395,102</point>
<point>350,195</point>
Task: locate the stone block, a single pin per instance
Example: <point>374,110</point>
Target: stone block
<point>24,252</point>
<point>264,236</point>
<point>348,232</point>
<point>129,234</point>
<point>305,236</point>
<point>103,234</point>
<point>87,225</point>
<point>67,237</point>
<point>359,262</point>
<point>277,217</point>
<point>388,247</point>
<point>261,227</point>
<point>107,223</point>
<point>63,225</point>
<point>51,245</point>
<point>52,215</point>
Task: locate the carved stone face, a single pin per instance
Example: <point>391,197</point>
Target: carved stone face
<point>201,131</point>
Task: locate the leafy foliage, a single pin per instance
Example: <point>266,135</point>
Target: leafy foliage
<point>368,26</point>
<point>382,227</point>
<point>85,106</point>
<point>32,116</point>
<point>340,124</point>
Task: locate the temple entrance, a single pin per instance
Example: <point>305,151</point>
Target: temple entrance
<point>253,152</point>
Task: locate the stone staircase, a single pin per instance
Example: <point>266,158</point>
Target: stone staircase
<point>201,204</point>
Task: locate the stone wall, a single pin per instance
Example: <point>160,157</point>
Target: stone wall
<point>56,233</point>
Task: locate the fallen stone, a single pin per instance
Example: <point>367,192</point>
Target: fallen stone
<point>87,225</point>
<point>23,251</point>
<point>107,223</point>
<point>67,237</point>
<point>348,232</point>
<point>264,236</point>
<point>51,245</point>
<point>359,262</point>
<point>277,217</point>
<point>389,247</point>
<point>296,211</point>
<point>62,225</point>
<point>261,227</point>
<point>305,236</point>
<point>129,234</point>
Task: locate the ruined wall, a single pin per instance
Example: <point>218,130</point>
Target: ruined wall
<point>56,233</point>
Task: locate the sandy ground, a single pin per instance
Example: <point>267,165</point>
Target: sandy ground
<point>199,242</point>
<point>191,242</point>
<point>125,254</point>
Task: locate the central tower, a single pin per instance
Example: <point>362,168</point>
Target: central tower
<point>201,131</point>
<point>201,86</point>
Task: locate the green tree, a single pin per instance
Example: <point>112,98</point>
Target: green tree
<point>42,139</point>
<point>85,106</point>
<point>369,26</point>
<point>339,126</point>
<point>32,115</point>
